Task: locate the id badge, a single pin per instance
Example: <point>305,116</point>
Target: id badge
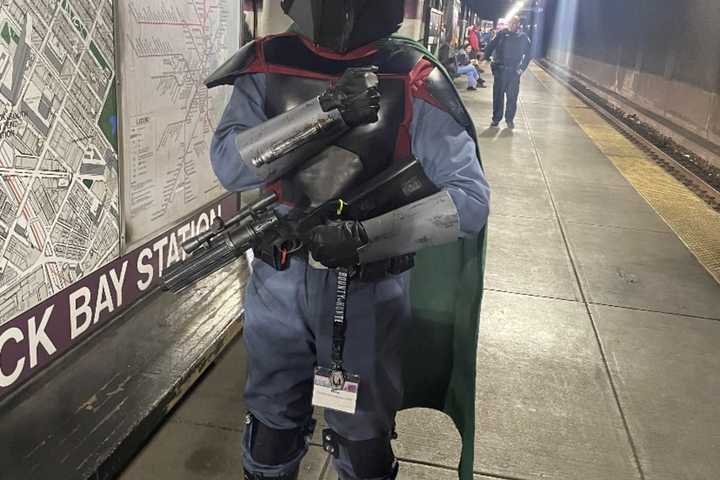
<point>338,396</point>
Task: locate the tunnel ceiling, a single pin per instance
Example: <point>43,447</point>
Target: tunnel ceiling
<point>491,9</point>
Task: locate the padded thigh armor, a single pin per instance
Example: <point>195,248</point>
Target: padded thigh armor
<point>296,71</point>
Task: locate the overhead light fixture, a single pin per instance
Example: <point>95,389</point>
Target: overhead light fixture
<point>515,10</point>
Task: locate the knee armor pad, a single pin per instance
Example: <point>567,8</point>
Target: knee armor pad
<point>269,446</point>
<point>372,458</point>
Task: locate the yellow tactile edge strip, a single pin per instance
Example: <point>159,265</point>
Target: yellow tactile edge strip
<point>692,220</point>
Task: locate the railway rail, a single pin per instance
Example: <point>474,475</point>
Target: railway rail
<point>692,181</point>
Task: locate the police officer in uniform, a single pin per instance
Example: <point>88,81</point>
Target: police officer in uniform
<point>401,105</point>
<point>510,53</point>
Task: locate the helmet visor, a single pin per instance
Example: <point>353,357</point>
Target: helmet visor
<point>344,25</point>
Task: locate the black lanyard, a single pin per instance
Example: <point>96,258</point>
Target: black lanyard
<point>337,376</point>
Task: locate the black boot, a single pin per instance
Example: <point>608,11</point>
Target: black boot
<point>259,476</point>
<point>273,447</point>
<point>394,473</point>
<point>372,458</point>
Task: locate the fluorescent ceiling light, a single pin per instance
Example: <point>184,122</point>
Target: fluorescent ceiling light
<point>515,10</point>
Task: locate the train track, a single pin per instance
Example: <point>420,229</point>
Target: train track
<point>693,182</point>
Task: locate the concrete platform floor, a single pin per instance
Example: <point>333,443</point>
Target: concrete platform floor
<point>600,335</point>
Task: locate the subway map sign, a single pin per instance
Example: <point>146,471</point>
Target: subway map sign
<point>62,217</point>
<point>59,205</point>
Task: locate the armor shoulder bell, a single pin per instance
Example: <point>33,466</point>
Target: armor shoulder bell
<point>235,66</point>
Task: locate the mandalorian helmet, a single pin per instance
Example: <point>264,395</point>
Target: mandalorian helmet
<point>344,25</point>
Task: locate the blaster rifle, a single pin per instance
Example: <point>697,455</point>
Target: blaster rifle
<point>260,223</point>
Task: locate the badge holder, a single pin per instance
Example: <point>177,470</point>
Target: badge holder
<point>335,388</point>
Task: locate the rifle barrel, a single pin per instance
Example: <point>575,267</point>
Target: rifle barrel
<point>192,244</point>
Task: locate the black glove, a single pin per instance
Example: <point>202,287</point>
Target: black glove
<point>355,95</point>
<point>336,243</point>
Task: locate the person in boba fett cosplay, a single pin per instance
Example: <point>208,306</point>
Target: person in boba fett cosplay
<point>374,100</point>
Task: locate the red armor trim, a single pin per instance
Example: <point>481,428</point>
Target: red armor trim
<point>259,65</point>
<point>327,53</point>
<point>415,82</point>
<point>418,87</point>
<point>415,87</point>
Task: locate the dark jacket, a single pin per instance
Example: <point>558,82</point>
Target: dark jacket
<point>509,50</point>
<point>462,58</point>
<point>446,55</point>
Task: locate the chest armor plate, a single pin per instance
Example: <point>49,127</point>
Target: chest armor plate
<point>297,82</point>
<point>374,144</point>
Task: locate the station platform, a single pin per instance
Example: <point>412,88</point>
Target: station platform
<point>600,326</point>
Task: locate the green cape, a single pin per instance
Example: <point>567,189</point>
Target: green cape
<point>440,358</point>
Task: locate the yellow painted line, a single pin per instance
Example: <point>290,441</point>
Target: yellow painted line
<point>693,221</point>
<point>608,140</point>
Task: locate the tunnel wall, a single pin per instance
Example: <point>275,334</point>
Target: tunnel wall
<point>660,58</point>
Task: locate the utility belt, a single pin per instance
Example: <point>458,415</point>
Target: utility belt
<point>279,257</point>
<point>497,67</point>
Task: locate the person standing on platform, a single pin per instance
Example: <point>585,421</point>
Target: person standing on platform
<point>510,54</point>
<point>486,37</point>
<point>340,67</point>
<point>473,39</point>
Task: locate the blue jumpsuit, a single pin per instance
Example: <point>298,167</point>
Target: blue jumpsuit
<point>288,317</point>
